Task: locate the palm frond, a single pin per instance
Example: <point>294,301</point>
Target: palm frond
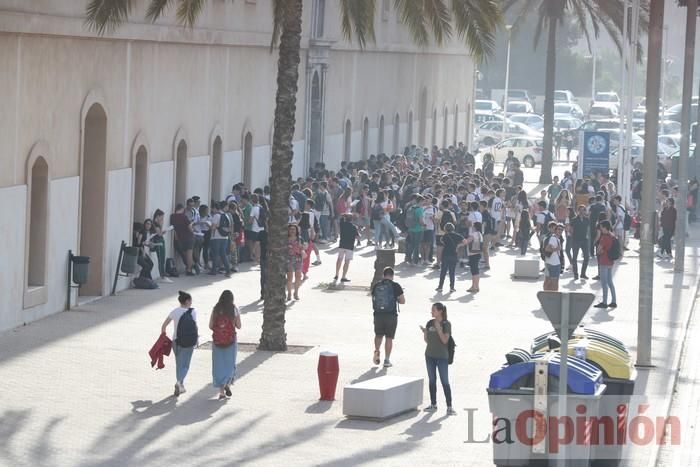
<point>357,19</point>
<point>188,11</point>
<point>526,7</point>
<point>476,22</point>
<point>105,15</point>
<point>156,9</point>
<point>583,15</point>
<point>439,17</point>
<point>412,15</point>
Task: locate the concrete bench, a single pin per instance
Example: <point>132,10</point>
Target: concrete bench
<point>383,397</point>
<point>527,268</point>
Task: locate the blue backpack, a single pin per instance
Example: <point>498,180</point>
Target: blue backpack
<point>383,298</point>
<point>187,332</point>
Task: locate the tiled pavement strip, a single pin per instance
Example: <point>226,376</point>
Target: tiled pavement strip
<point>77,388</point>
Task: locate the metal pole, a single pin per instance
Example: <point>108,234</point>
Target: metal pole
<point>119,263</point>
<point>564,367</point>
<point>688,63</point>
<point>621,149</point>
<point>664,72</point>
<point>70,273</point>
<point>593,79</point>
<point>646,253</point>
<point>505,97</point>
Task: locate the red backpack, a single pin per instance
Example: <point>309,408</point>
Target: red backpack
<point>224,333</point>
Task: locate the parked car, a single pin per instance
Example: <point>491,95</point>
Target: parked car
<point>517,95</point>
<point>673,163</point>
<point>515,107</point>
<point>491,133</point>
<point>481,116</point>
<point>566,123</point>
<point>484,105</point>
<point>674,112</point>
<point>530,119</point>
<point>639,118</point>
<point>527,149</point>
<point>609,97</point>
<point>603,111</point>
<point>643,104</point>
<point>572,109</point>
<point>565,96</point>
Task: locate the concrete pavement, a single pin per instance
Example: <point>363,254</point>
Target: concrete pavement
<point>78,389</point>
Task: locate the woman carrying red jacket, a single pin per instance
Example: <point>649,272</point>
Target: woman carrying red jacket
<point>605,265</point>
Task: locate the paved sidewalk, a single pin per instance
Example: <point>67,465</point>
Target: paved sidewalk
<point>78,389</point>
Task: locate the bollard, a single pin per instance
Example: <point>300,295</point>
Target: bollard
<point>328,370</point>
<point>385,258</point>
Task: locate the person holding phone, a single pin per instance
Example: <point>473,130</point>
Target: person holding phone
<point>436,335</point>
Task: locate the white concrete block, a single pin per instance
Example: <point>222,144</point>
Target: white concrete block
<point>382,397</point>
<point>527,268</point>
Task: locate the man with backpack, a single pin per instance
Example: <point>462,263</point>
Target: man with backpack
<point>414,227</point>
<point>387,295</point>
<point>550,252</point>
<point>221,228</point>
<point>185,337</point>
<point>443,217</point>
<point>609,251</point>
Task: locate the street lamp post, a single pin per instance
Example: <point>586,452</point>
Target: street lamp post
<point>593,65</point>
<point>509,27</point>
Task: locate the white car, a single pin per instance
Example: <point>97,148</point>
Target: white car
<point>527,149</point>
<point>490,133</point>
<point>532,120</point>
<point>564,96</point>
<point>484,105</point>
<point>603,111</point>
<point>606,97</point>
<point>519,107</point>
<point>572,110</point>
<point>481,116</point>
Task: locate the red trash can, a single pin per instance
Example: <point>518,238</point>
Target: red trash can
<point>328,370</point>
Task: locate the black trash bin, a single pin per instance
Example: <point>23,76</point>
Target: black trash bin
<point>130,259</point>
<point>81,268</point>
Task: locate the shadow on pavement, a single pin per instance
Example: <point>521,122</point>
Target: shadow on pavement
<point>373,372</point>
<point>424,428</point>
<point>372,455</point>
<point>373,425</point>
<point>319,407</point>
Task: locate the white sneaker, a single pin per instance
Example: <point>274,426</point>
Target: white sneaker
<point>387,363</point>
<point>430,408</point>
<point>167,280</point>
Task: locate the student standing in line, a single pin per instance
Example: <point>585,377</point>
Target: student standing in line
<point>436,335</point>
<point>185,336</point>
<point>225,319</point>
<point>448,244</point>
<point>474,243</point>
<point>606,261</point>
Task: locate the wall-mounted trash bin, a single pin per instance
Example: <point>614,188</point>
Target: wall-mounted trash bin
<point>81,268</point>
<point>131,256</point>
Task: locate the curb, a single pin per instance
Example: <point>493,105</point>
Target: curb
<point>676,366</point>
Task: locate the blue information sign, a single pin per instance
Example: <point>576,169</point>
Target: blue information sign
<point>595,152</point>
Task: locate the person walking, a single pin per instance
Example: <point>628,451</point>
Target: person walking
<point>606,259</point>
<point>387,295</point>
<point>225,319</point>
<point>551,247</point>
<point>449,242</point>
<point>474,243</point>
<point>668,228</point>
<point>346,246</point>
<point>295,257</point>
<point>579,230</point>
<point>436,335</point>
<point>185,337</point>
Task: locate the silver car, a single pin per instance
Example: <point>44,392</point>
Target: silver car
<point>491,133</point>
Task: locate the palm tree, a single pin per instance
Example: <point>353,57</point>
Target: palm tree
<point>475,23</point>
<point>608,14</point>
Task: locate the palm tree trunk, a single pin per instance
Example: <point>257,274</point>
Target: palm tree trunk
<point>273,335</point>
<point>546,174</point>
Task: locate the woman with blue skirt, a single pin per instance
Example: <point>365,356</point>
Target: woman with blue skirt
<point>225,320</point>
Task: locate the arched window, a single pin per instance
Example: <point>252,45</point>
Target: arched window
<point>140,183</point>
<point>217,168</point>
<point>248,159</point>
<point>318,19</point>
<point>422,117</point>
<point>433,139</point>
<point>456,125</point>
<point>38,215</point>
<point>347,140</point>
<point>380,136</point>
<point>397,124</point>
<point>409,138</point>
<point>181,172</point>
<point>445,116</point>
<point>365,138</point>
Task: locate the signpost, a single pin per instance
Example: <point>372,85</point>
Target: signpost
<point>565,311</point>
<point>595,153</point>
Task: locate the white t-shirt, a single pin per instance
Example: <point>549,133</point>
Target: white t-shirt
<point>293,207</point>
<point>496,208</point>
<point>553,259</point>
<point>255,214</point>
<point>429,217</point>
<point>175,315</point>
<point>474,216</point>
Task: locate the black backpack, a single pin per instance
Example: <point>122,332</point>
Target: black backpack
<point>170,268</point>
<point>446,218</point>
<point>262,217</point>
<point>319,201</point>
<point>544,254</point>
<point>383,298</point>
<point>627,222</point>
<point>187,332</point>
<point>450,346</point>
<point>224,226</point>
<point>615,251</point>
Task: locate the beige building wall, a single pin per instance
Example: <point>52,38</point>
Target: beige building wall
<point>159,84</point>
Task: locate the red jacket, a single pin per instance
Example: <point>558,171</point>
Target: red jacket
<point>162,347</point>
<point>604,244</point>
